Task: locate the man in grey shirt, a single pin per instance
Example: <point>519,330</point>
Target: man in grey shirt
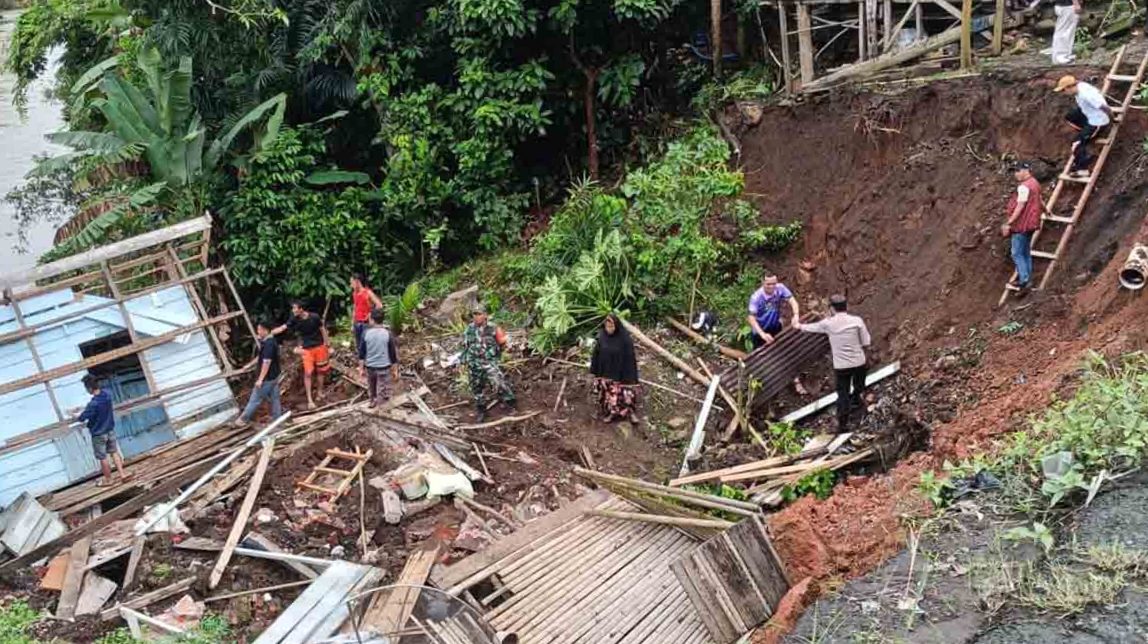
<point>378,358</point>
<point>848,338</point>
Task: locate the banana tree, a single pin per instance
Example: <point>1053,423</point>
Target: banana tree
<point>154,123</point>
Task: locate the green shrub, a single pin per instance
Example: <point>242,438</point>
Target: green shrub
<point>15,619</point>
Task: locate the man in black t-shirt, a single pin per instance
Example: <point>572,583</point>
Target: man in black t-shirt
<point>267,383</point>
<point>313,340</point>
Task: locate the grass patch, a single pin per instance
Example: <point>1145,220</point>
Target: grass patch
<point>15,620</point>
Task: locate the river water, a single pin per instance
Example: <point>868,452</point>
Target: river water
<point>21,139</point>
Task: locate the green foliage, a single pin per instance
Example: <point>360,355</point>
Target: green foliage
<point>786,438</point>
<point>596,285</point>
<point>771,238</point>
<point>212,629</point>
<point>288,240</point>
<point>934,489</point>
<point>1011,328</point>
<point>335,177</point>
<point>1038,533</point>
<point>401,309</point>
<point>754,84</point>
<point>819,483</point>
<point>117,636</point>
<point>15,620</point>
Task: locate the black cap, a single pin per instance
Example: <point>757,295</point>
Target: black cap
<point>1021,165</point>
<point>837,300</point>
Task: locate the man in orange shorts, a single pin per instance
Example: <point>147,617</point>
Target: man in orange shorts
<point>313,347</point>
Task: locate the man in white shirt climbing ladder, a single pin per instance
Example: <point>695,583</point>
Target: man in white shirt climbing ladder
<point>1092,113</point>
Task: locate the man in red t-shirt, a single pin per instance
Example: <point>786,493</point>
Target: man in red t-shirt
<point>363,298</point>
<point>1024,210</point>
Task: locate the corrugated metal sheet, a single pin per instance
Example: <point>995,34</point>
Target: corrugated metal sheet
<point>775,366</point>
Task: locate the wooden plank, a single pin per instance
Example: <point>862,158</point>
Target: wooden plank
<point>105,253</point>
<point>101,558</point>
<point>389,613</point>
<point>201,544</point>
<point>135,616</point>
<point>449,577</point>
<point>244,511</point>
<point>663,520</point>
<point>998,28</point>
<point>109,356</point>
<point>337,619</point>
<point>720,628</point>
<point>967,34</point>
<point>711,582</point>
<point>805,42</point>
<point>70,593</point>
<point>305,603</point>
<point>263,543</point>
<point>96,592</point>
<point>20,520</point>
<point>134,562</point>
<point>320,617</point>
<point>143,601</point>
<point>57,569</point>
<point>739,586</point>
<point>257,591</point>
<point>783,27</point>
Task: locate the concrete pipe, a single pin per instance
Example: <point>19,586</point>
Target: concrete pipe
<point>1134,273</point>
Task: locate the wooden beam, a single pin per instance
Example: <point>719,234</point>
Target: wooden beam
<point>862,50</point>
<point>891,40</point>
<point>967,34</point>
<point>805,43</point>
<point>783,26</point>
<point>715,38</point>
<point>680,522</point>
<point>197,302</point>
<point>270,546</point>
<point>244,511</point>
<point>105,253</point>
<point>871,28</point>
<point>239,303</point>
<point>70,594</point>
<point>118,297</point>
<point>122,511</point>
<point>887,20</point>
<point>115,354</point>
<point>254,591</point>
<point>949,8</point>
<point>919,21</point>
<point>143,601</point>
<point>12,336</point>
<point>998,28</point>
<point>62,427</point>
<point>133,562</point>
<point>35,355</point>
<point>893,59</point>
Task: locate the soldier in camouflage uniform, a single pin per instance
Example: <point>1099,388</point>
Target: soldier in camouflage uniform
<point>481,350</point>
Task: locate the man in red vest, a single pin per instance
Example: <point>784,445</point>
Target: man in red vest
<point>1024,209</point>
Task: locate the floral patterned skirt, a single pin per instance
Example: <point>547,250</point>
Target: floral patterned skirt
<point>615,398</point>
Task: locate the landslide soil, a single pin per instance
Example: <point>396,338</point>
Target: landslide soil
<point>901,197</point>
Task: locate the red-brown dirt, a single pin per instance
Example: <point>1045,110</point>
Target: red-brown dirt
<point>901,198</point>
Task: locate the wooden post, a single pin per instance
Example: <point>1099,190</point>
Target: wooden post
<point>199,306</point>
<point>967,34</point>
<point>34,353</point>
<point>243,309</point>
<point>887,9</point>
<point>998,28</point>
<point>783,25</point>
<point>118,297</point>
<point>871,28</point>
<point>805,42</point>
<point>919,22</point>
<point>715,38</point>
<point>862,51</point>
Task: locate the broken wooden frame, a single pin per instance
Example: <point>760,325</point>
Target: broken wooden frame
<point>878,23</point>
<point>123,271</point>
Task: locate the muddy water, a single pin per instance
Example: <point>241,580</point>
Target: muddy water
<point>21,139</point>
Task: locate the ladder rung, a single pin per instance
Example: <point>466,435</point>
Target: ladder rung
<point>1126,78</point>
<point>332,470</point>
<point>1042,254</point>
<point>1058,219</point>
<point>1068,177</point>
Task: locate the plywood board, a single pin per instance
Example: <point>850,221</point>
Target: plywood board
<point>57,568</point>
<point>96,592</point>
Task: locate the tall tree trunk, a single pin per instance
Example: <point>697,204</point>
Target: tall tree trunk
<point>591,120</point>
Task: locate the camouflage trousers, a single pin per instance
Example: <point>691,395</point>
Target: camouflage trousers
<point>490,376</point>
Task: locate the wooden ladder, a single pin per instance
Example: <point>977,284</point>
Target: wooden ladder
<point>1053,224</point>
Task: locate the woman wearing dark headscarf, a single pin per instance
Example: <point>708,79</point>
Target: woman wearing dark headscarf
<point>615,370</point>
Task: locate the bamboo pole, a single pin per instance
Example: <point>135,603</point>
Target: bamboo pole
<point>700,339</point>
<point>664,520</point>
<point>967,34</point>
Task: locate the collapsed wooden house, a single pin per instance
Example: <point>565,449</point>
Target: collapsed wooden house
<point>150,317</point>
